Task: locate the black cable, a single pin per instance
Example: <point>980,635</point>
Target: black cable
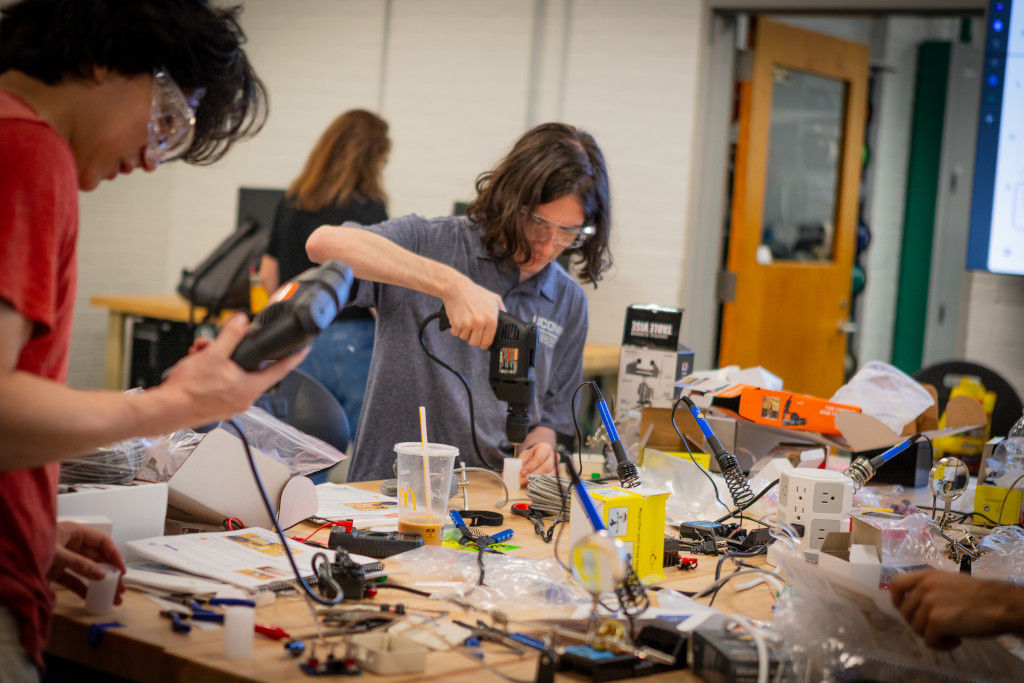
<point>277,525</point>
<point>751,553</point>
<point>753,500</point>
<point>579,434</point>
<point>707,474</point>
<point>407,589</point>
<point>735,479</point>
<point>963,514</point>
<point>469,393</point>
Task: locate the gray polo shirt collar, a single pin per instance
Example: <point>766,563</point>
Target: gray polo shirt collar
<point>542,283</point>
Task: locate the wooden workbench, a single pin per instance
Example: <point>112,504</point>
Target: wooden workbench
<point>599,360</point>
<point>146,649</point>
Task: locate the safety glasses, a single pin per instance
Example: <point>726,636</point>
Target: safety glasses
<point>172,119</point>
<point>542,229</point>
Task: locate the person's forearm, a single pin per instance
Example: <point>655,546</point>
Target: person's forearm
<point>376,258</point>
<point>43,421</point>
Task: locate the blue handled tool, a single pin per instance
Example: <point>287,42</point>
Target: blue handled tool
<point>626,471</point>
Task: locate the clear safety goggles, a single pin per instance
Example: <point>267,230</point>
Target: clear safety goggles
<point>172,119</point>
<point>541,229</point>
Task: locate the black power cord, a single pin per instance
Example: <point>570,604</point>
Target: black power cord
<point>469,394</point>
<point>277,525</point>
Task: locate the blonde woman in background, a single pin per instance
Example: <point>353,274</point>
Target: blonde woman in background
<point>340,183</point>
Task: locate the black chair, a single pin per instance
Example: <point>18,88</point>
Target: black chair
<point>307,405</point>
<point>947,374</point>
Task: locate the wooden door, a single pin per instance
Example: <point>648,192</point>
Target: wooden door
<point>794,206</point>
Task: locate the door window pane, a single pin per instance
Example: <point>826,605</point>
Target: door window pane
<point>804,150</point>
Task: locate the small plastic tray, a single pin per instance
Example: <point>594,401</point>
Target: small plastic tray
<point>385,654</point>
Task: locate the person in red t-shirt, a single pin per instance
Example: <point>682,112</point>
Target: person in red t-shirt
<point>90,89</point>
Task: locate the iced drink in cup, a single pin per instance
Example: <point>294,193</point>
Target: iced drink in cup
<point>424,486</point>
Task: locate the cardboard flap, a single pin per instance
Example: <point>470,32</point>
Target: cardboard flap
<point>965,412</point>
<point>215,482</point>
<point>298,501</point>
<point>863,432</point>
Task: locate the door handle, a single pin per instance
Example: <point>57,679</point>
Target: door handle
<point>847,326</point>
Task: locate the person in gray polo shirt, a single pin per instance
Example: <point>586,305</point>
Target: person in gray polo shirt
<point>547,196</point>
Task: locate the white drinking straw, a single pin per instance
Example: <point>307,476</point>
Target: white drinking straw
<point>423,437</point>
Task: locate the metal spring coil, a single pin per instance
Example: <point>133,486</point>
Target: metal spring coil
<point>739,489</point>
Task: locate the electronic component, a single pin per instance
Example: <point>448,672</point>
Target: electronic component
<point>602,665</point>
<point>300,310</point>
<point>344,577</point>
<point>373,543</point>
<point>700,529</point>
<point>671,558</point>
<point>722,656</point>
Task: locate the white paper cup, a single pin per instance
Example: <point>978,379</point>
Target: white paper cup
<point>510,473</point>
<point>99,596</point>
<point>239,623</point>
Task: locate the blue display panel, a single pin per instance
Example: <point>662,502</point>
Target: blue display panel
<point>996,240</point>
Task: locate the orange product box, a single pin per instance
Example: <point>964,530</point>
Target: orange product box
<point>781,408</point>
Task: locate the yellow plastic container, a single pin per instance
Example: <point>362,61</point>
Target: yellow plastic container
<point>968,446</point>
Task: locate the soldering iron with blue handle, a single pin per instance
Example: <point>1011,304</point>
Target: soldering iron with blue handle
<point>628,475</point>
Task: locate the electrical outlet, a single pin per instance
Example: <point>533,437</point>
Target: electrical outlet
<point>828,497</point>
<point>818,529</point>
<point>783,492</point>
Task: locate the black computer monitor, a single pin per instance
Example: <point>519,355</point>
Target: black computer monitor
<point>258,204</point>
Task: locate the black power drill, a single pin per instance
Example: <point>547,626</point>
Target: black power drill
<point>511,373</point>
<point>298,311</point>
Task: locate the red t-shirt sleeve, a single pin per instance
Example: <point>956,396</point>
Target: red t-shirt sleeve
<point>34,219</point>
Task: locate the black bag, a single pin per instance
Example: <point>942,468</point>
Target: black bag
<point>222,279</point>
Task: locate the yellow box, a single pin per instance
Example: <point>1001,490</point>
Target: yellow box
<point>636,517</point>
<point>702,459</point>
<point>988,500</point>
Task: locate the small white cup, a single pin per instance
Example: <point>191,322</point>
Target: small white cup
<point>510,473</point>
<point>239,623</point>
<point>99,597</point>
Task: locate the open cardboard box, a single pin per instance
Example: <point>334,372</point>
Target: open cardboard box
<point>215,482</point>
<point>859,432</point>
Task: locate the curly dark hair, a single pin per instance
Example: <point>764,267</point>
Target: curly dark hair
<point>549,161</point>
<point>200,46</point>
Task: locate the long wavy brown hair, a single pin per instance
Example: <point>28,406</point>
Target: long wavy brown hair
<point>548,162</point>
<point>347,161</point>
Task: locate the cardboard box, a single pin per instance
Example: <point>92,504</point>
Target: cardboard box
<point>135,510</point>
<point>748,441</point>
<point>860,562</point>
<point>215,482</point>
<point>781,408</point>
<point>858,432</point>
<point>651,359</point>
<point>648,377</point>
<point>636,517</point>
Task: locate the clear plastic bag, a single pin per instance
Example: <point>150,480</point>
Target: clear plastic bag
<point>886,393</point>
<point>300,452</point>
<point>837,631</point>
<point>1003,559</point>
<point>507,580</point>
<point>116,464</point>
<point>165,454</point>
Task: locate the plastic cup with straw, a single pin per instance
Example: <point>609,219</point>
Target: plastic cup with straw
<point>425,472</point>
